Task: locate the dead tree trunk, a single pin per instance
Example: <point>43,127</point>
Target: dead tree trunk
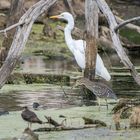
<point>116,41</point>
<point>21,36</point>
<point>16,11</point>
<point>91,15</point>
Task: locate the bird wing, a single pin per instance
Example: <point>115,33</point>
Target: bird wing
<point>101,70</point>
<point>101,90</point>
<point>27,115</point>
<point>80,45</point>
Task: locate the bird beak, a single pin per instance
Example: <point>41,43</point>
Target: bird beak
<point>54,17</point>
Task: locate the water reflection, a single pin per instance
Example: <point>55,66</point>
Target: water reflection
<point>122,83</point>
<point>48,98</point>
<point>38,64</point>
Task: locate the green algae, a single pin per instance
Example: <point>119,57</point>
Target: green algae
<point>10,128</point>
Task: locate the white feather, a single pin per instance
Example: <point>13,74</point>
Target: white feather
<point>77,47</point>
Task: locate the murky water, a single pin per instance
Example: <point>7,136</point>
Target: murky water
<point>13,97</point>
<point>52,96</point>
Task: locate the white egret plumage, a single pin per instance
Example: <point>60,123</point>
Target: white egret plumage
<point>77,47</point>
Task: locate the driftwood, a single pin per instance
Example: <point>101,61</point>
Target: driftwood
<point>52,121</point>
<point>21,36</point>
<point>115,38</point>
<point>63,128</point>
<point>88,121</point>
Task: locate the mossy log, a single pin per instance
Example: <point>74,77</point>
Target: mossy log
<point>30,78</point>
<point>64,128</point>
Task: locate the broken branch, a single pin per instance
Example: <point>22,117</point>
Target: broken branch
<point>21,37</point>
<point>126,22</point>
<point>116,41</point>
<point>11,27</point>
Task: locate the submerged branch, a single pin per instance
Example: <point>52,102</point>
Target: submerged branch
<point>63,128</point>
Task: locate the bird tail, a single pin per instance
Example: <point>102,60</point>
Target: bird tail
<point>101,70</point>
<point>105,74</point>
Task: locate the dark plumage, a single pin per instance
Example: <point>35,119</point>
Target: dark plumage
<point>36,105</point>
<point>30,116</point>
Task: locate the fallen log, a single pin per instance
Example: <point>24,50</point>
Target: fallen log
<point>64,128</point>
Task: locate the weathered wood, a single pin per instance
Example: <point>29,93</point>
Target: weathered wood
<point>21,37</point>
<point>71,8</point>
<point>126,22</point>
<point>115,38</point>
<point>16,11</point>
<point>130,25</point>
<point>64,128</point>
<point>91,16</point>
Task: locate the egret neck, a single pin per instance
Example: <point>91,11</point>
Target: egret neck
<point>67,31</point>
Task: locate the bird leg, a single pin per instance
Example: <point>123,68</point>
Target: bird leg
<point>64,122</point>
<point>99,104</point>
<point>30,125</point>
<point>106,103</point>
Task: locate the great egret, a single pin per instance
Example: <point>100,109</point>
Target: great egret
<point>77,47</point>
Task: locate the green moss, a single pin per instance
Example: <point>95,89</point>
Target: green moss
<point>131,35</point>
<point>29,78</point>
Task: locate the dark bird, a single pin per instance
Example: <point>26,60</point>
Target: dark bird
<point>100,90</point>
<point>35,105</point>
<point>30,117</point>
<point>91,121</point>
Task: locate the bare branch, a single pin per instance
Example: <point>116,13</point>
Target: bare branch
<point>130,25</point>
<point>11,27</point>
<point>21,37</point>
<point>115,38</point>
<point>126,22</point>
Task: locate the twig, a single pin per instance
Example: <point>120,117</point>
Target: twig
<point>126,22</point>
<point>11,27</point>
<point>130,25</point>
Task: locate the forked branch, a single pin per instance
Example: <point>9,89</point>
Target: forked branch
<point>126,22</point>
<point>21,37</point>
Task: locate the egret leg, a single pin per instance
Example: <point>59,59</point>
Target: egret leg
<point>106,104</point>
<point>28,125</point>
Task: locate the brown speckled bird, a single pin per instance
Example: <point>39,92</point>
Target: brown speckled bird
<point>30,117</point>
<point>100,90</point>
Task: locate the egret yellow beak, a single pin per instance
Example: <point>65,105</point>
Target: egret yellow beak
<point>54,17</point>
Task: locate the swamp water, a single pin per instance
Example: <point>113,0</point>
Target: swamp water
<point>54,102</point>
